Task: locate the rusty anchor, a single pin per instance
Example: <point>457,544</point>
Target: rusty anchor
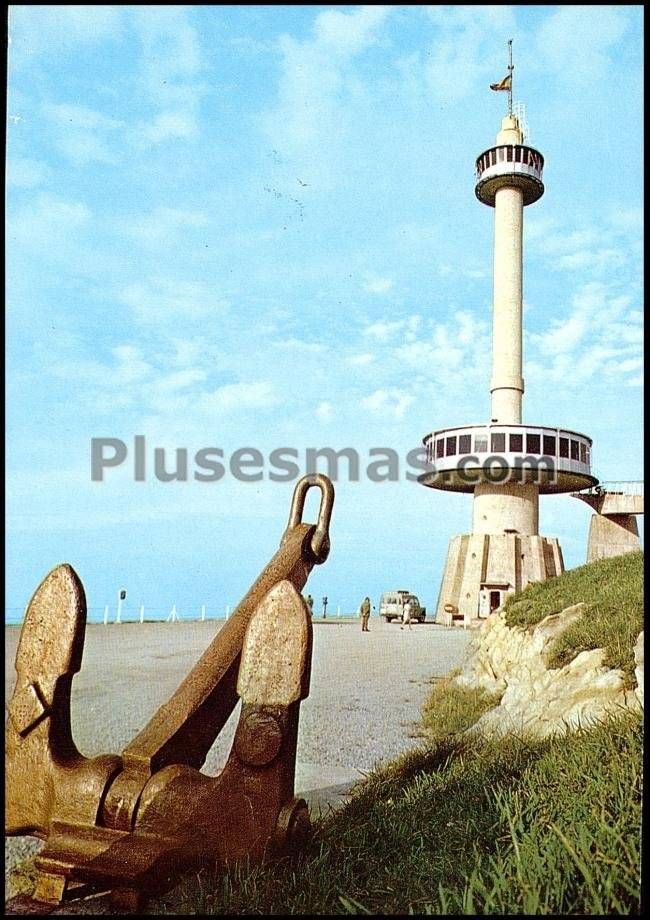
<point>129,825</point>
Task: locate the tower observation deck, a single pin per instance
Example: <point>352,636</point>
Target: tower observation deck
<point>503,462</point>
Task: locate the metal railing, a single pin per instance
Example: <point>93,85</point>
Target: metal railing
<point>622,487</point>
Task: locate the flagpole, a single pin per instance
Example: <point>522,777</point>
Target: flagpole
<point>510,69</point>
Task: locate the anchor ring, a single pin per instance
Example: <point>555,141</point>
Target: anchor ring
<point>320,542</point>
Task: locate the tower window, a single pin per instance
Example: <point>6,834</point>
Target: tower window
<point>509,154</point>
<point>583,453</point>
<point>480,443</point>
<point>533,444</point>
<point>451,446</point>
<point>564,447</point>
<point>464,443</point>
<point>549,445</point>
<point>440,447</point>
<point>575,450</point>
<point>516,442</point>
<point>498,443</point>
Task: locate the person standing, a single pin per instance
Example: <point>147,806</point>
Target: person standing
<point>310,603</point>
<point>364,611</point>
<point>406,614</point>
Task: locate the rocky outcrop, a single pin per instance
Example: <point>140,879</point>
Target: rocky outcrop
<point>538,700</point>
<point>638,670</point>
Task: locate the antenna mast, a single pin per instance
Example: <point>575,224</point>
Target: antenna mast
<point>510,69</point>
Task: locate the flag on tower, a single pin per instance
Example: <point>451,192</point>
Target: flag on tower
<point>505,84</point>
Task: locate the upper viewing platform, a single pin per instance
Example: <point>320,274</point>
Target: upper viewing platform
<point>509,165</point>
<point>556,459</point>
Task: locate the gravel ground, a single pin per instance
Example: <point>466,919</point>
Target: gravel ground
<point>366,693</point>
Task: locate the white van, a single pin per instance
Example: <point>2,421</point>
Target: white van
<point>391,606</point>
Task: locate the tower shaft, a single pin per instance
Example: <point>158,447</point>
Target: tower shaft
<point>507,386</point>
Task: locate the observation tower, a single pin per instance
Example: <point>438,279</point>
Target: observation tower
<point>505,464</point>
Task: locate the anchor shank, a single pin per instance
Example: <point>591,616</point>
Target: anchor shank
<point>183,730</point>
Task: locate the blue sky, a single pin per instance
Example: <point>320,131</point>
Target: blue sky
<point>255,226</point>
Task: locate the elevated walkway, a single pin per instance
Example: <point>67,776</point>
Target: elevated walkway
<point>614,497</point>
<point>613,529</point>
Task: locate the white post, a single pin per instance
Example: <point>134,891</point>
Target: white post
<point>172,615</point>
<point>227,610</point>
<point>106,615</point>
<point>142,613</point>
<point>203,613</point>
<point>338,611</point>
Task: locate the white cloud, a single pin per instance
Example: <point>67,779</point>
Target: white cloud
<point>170,44</point>
<point>348,33</point>
<point>238,397</point>
<point>24,172</point>
<point>568,31</point>
<point>582,249</point>
<point>463,53</point>
<point>49,29</point>
<point>163,300</point>
<point>599,336</point>
<point>171,60</point>
<point>163,225</point>
<point>375,284</point>
<point>82,134</point>
<point>314,83</point>
<point>392,402</point>
<point>298,345</point>
<point>83,148</point>
<point>71,116</point>
<point>131,366</point>
<point>51,225</point>
<point>627,220</point>
<point>361,360</point>
<point>108,386</point>
<point>382,331</point>
<point>167,126</point>
<point>324,411</point>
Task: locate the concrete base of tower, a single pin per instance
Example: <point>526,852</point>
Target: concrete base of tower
<point>483,569</point>
<point>612,535</point>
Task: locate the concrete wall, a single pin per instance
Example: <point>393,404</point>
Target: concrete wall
<point>511,506</point>
<point>480,564</point>
<point>613,535</point>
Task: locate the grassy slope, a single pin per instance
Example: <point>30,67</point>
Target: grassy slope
<point>613,589</point>
<point>545,827</point>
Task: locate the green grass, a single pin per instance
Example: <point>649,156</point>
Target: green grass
<point>613,591</point>
<point>515,827</point>
<point>451,709</point>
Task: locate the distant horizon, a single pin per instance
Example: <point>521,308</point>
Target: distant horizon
<point>98,620</point>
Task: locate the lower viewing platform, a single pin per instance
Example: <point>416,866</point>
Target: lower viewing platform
<point>555,459</point>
